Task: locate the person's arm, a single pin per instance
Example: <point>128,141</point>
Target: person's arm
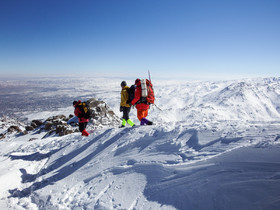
<point>137,96</point>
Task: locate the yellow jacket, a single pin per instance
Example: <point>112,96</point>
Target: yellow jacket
<point>124,96</point>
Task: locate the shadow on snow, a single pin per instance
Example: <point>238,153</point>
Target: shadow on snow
<point>66,170</point>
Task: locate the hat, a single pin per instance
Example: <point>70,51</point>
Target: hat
<point>74,102</point>
<point>123,83</point>
<point>136,81</point>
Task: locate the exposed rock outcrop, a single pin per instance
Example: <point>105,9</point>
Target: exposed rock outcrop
<point>10,126</point>
<point>102,115</point>
<point>13,129</point>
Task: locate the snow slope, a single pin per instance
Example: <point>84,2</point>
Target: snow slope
<point>215,145</point>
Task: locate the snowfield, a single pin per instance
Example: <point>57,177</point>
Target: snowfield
<point>214,145</point>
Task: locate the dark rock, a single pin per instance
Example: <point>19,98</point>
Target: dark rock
<point>2,136</point>
<point>60,117</point>
<point>68,131</point>
<point>29,128</point>
<point>110,112</point>
<point>98,109</point>
<point>61,133</point>
<point>34,125</point>
<point>14,128</point>
<point>48,126</point>
<point>60,129</point>
<point>37,122</point>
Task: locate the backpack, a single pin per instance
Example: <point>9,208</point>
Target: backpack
<point>151,94</point>
<point>86,112</point>
<point>147,92</point>
<point>131,92</point>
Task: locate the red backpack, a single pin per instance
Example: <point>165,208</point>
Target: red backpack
<point>147,90</point>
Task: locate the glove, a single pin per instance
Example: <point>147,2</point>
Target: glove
<point>121,109</point>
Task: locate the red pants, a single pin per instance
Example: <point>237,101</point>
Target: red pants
<point>141,113</point>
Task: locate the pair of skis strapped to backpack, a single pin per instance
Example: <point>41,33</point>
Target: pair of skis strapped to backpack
<point>147,92</point>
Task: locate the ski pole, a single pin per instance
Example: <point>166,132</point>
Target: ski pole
<point>158,107</point>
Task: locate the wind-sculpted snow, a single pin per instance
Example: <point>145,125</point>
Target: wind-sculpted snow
<point>153,167</point>
<point>232,100</point>
<point>213,146</point>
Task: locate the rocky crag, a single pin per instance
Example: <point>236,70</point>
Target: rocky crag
<point>102,115</point>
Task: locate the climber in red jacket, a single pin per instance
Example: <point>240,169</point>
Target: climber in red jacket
<point>142,107</point>
<point>82,120</point>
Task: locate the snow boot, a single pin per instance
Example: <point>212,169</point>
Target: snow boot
<point>149,123</point>
<point>130,122</point>
<point>123,123</point>
<point>144,121</point>
<point>85,133</point>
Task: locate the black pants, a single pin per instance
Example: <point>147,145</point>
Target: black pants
<point>126,111</point>
<point>82,126</point>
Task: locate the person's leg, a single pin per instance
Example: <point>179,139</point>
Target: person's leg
<point>125,115</point>
<point>82,128</point>
<point>126,112</point>
<point>140,114</point>
<point>129,121</point>
<point>85,133</point>
<point>144,121</point>
<point>123,123</point>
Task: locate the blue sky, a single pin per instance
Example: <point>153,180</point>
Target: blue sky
<point>172,38</point>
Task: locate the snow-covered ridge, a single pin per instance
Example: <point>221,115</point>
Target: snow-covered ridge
<point>214,145</point>
<point>247,100</point>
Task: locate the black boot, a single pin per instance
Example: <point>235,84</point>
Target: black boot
<point>149,123</point>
